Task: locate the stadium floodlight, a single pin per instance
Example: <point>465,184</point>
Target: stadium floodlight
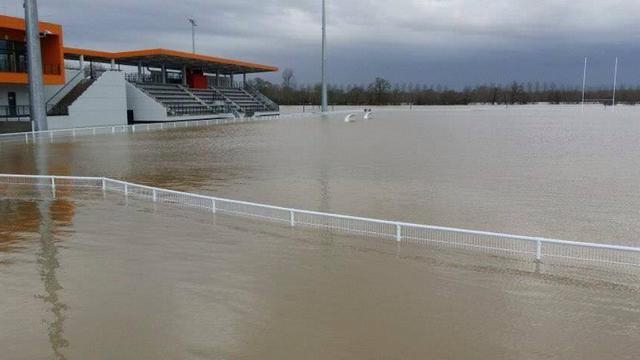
<point>584,81</point>
<point>615,83</point>
<point>193,34</point>
<point>324,58</point>
<point>38,111</point>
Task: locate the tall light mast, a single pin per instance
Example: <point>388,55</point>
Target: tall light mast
<point>193,34</point>
<point>324,58</point>
<point>38,109</point>
<point>584,82</point>
<point>615,84</point>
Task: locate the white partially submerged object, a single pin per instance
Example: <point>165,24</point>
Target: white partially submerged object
<point>350,118</point>
<point>368,115</point>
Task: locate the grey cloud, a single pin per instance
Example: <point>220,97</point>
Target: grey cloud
<point>454,42</point>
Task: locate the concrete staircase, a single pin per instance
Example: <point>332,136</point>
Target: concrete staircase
<point>62,107</point>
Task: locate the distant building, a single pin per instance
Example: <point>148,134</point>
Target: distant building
<point>93,88</point>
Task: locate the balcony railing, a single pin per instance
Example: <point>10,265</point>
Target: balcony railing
<point>18,112</point>
<point>21,67</point>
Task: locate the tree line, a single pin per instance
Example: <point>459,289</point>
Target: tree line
<point>382,92</point>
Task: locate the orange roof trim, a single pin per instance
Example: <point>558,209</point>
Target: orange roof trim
<point>166,52</point>
<point>15,23</point>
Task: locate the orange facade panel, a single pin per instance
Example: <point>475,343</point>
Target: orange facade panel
<point>13,66</point>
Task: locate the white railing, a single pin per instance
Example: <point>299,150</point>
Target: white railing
<point>528,246</point>
<point>120,129</point>
<point>166,125</point>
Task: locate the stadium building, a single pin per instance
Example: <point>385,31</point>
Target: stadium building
<point>93,88</point>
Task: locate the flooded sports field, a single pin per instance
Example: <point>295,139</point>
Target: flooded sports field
<point>89,275</point>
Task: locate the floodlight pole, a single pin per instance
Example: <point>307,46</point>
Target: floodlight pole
<point>584,81</point>
<point>324,58</point>
<point>37,105</point>
<point>615,83</point>
<point>193,35</point>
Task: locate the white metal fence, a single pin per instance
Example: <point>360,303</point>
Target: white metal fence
<point>527,246</point>
<point>120,129</point>
<point>32,136</point>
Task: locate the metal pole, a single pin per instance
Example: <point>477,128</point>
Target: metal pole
<point>584,81</point>
<point>36,83</point>
<point>193,34</point>
<point>615,83</point>
<point>324,57</point>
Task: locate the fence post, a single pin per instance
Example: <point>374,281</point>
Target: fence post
<point>126,190</point>
<point>155,195</point>
<point>53,186</point>
<point>104,184</point>
<point>292,218</point>
<point>73,132</point>
<point>213,205</point>
<point>538,250</point>
<point>26,138</point>
<point>398,232</point>
<point>161,126</point>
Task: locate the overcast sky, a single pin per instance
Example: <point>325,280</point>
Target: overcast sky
<point>448,42</point>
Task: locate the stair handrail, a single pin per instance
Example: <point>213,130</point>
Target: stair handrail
<point>197,98</point>
<point>80,72</point>
<point>270,103</point>
<point>227,100</point>
<point>65,110</point>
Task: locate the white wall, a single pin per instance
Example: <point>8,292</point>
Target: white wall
<point>22,94</point>
<point>144,107</point>
<point>22,91</point>
<point>103,103</point>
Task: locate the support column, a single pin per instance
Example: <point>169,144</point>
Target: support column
<point>244,80</point>
<point>38,109</point>
<point>217,77</point>
<point>113,64</point>
<point>231,79</point>
<point>140,71</point>
<point>164,74</point>
<point>81,62</point>
<point>184,75</point>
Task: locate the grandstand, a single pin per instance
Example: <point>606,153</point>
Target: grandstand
<point>87,87</point>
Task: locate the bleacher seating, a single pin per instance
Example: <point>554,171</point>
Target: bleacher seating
<point>246,102</point>
<point>181,101</point>
<point>211,98</point>
<point>176,99</point>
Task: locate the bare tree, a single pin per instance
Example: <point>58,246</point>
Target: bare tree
<point>288,78</point>
<point>379,89</point>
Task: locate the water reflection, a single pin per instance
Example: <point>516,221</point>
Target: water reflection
<point>240,288</point>
<point>47,259</point>
<point>53,214</point>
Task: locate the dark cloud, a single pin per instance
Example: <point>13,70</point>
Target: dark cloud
<point>449,42</point>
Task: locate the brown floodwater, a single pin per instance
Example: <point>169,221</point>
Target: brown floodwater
<point>82,276</point>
